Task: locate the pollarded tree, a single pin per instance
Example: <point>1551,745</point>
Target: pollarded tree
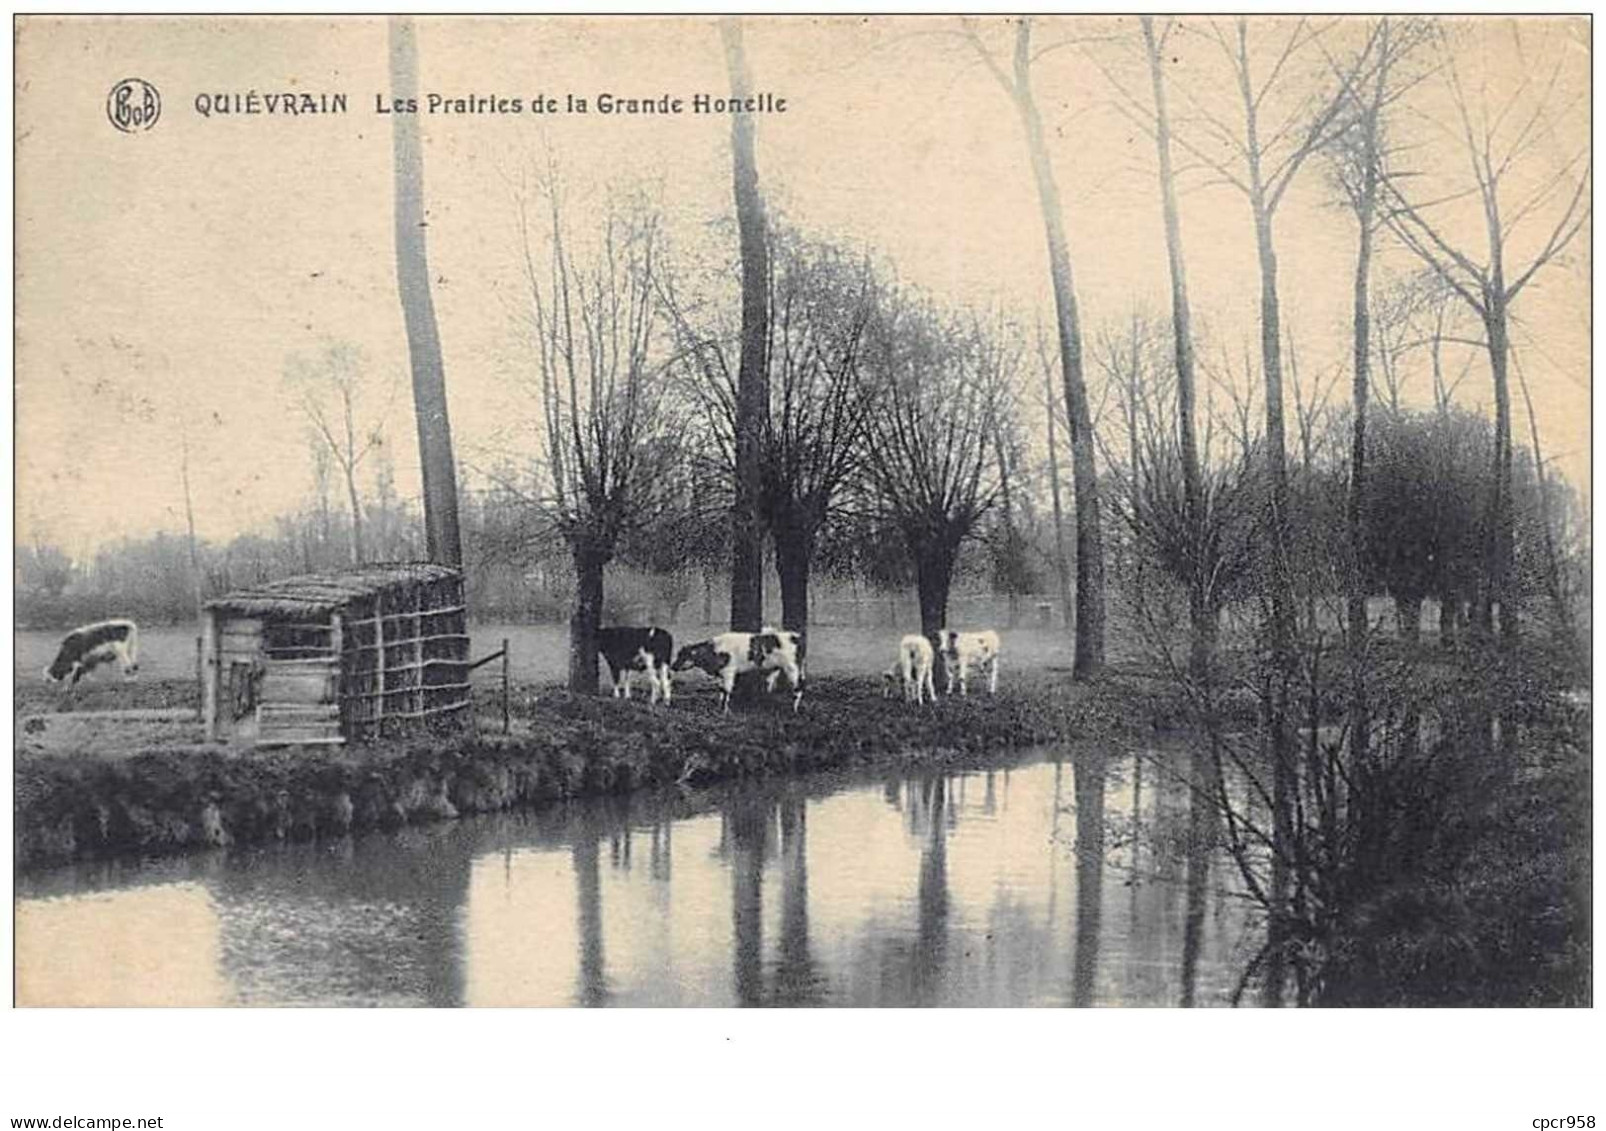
<point>929,454</point>
<point>820,300</point>
<point>608,440</point>
<point>820,402</point>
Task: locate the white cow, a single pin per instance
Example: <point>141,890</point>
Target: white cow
<point>729,654</point>
<point>962,650</point>
<point>913,669</point>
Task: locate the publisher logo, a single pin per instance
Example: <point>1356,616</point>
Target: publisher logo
<point>133,106</point>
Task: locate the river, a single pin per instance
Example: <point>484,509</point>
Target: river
<point>1046,881</point>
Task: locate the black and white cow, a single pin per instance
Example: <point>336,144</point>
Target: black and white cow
<point>913,669</point>
<point>729,654</point>
<point>961,650</point>
<point>85,649</point>
<point>631,650</point>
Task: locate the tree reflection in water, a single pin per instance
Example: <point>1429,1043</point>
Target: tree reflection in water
<point>1089,788</point>
<point>886,891</point>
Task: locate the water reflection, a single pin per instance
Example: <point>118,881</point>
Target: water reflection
<point>1089,876</point>
<point>1051,882</point>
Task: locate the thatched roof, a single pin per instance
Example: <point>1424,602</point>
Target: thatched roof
<point>317,593</point>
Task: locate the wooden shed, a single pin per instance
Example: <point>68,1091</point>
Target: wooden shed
<point>337,657</point>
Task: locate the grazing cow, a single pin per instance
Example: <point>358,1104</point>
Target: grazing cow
<point>729,654</point>
<point>960,650</point>
<point>915,661</point>
<point>84,649</point>
<point>631,650</point>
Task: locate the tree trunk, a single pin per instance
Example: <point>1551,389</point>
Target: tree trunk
<point>358,553</point>
<point>934,574</point>
<point>1062,562</point>
<point>752,395</point>
<point>1201,616</point>
<point>584,620</point>
<point>1360,722</point>
<point>1284,770</point>
<point>1503,591</point>
<point>1012,547</point>
<point>1089,530</point>
<point>793,551</point>
<point>443,540</point>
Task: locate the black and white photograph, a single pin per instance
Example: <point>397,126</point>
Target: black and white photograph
<point>803,511</point>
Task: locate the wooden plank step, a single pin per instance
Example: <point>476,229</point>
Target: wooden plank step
<point>297,711</point>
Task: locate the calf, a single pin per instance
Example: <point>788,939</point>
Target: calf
<point>84,649</point>
<point>631,650</point>
<point>729,654</point>
<point>915,662</point>
<point>962,649</point>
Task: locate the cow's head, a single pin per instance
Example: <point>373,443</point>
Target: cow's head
<point>59,669</point>
<point>699,655</point>
<point>890,679</point>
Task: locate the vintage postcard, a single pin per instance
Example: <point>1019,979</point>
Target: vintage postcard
<point>793,511</point>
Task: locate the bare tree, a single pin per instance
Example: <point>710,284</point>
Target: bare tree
<point>1495,142</point>
<point>1089,528</point>
<point>1201,620</point>
<point>333,393</point>
<point>443,540</point>
<point>1260,155</point>
<point>608,446</point>
<point>1359,159</point>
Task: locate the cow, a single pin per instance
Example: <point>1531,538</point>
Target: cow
<point>729,654</point>
<point>912,669</point>
<point>631,650</point>
<point>960,650</point>
<point>85,649</point>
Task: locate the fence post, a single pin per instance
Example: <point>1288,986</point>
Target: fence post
<point>200,684</point>
<point>506,721</point>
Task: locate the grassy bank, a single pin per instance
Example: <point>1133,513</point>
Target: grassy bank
<point>73,805</point>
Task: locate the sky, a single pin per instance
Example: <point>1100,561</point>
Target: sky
<point>166,278</point>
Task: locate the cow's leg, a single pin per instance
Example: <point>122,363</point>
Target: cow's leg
<point>727,681</point>
<point>769,683</point>
<point>794,676</point>
<point>669,681</point>
<point>964,678</point>
<point>120,650</point>
<point>992,680</point>
<point>931,684</point>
